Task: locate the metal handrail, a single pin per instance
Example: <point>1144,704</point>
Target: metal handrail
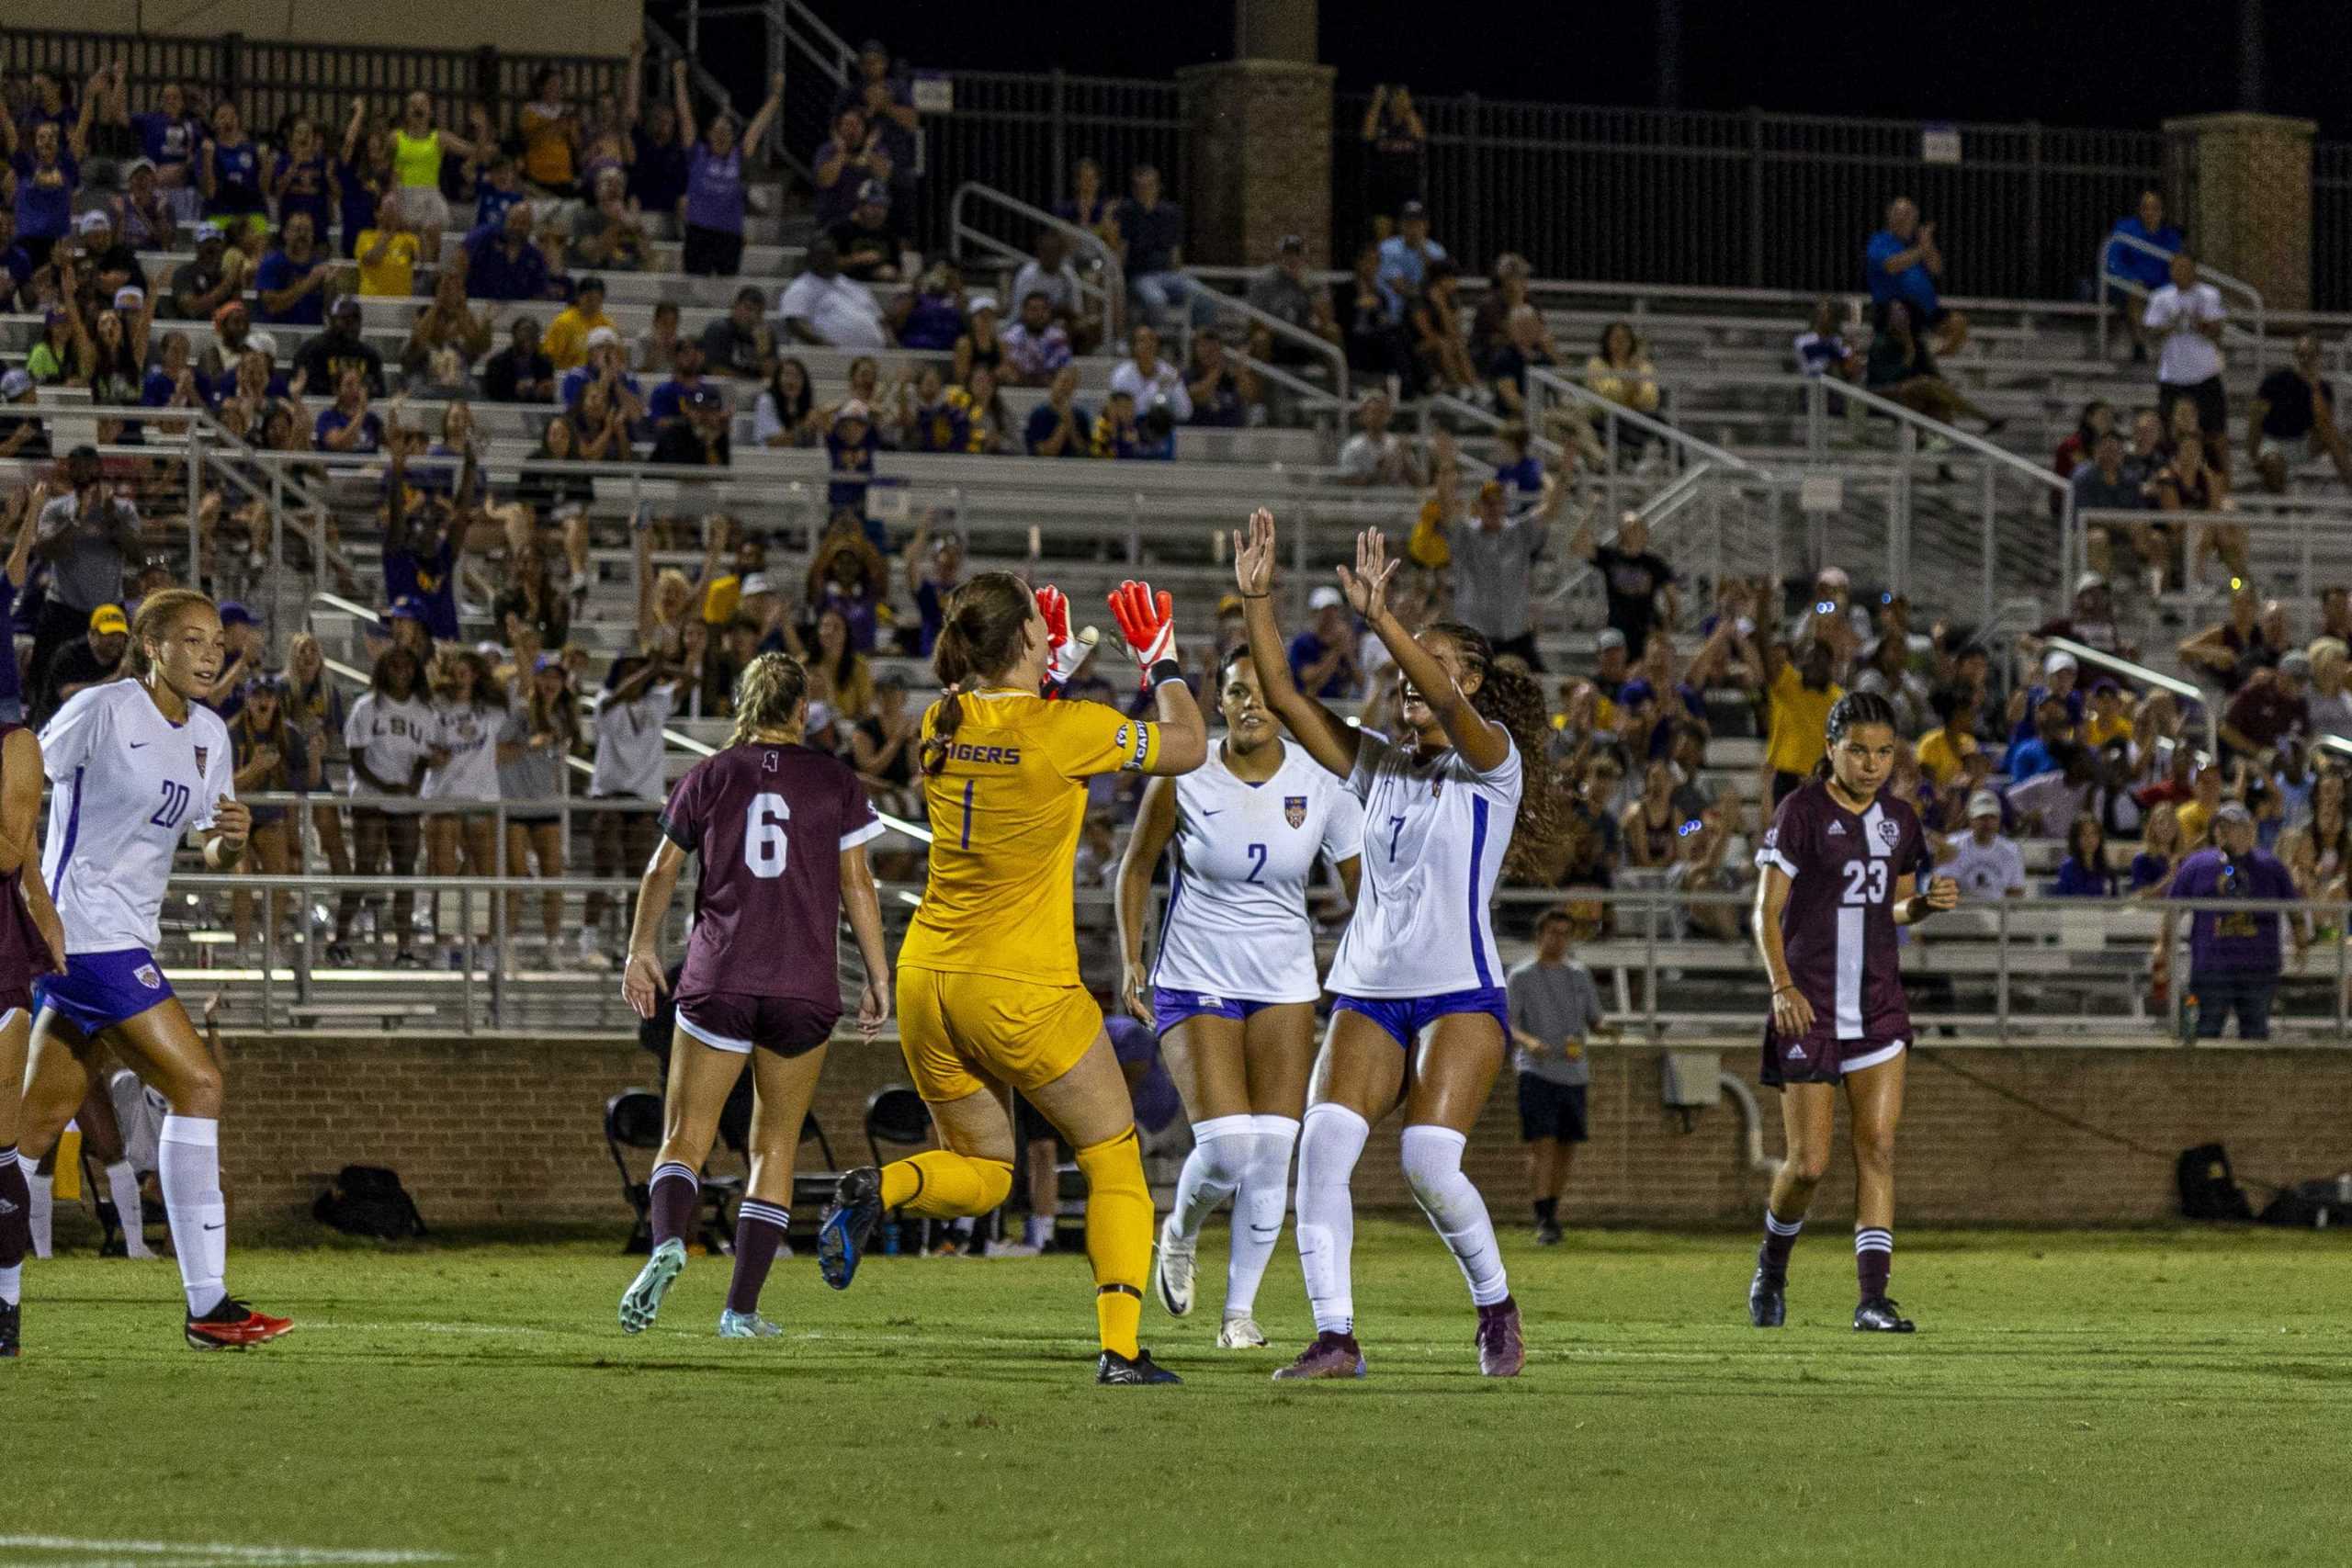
<point>2140,673</point>
<point>2214,276</point>
<point>1112,290</point>
<point>1324,348</point>
<point>1559,385</point>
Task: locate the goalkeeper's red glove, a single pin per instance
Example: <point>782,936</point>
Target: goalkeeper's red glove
<point>1148,624</point>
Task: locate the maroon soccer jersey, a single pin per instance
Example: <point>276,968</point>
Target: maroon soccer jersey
<point>24,956</point>
<point>770,823</point>
<point>1847,872</point>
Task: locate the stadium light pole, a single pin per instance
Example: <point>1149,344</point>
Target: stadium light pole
<point>2250,55</point>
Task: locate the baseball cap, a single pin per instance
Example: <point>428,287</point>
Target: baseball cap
<point>1324,598</point>
<point>93,223</point>
<point>407,607</point>
<point>347,306</point>
<point>757,582</point>
<point>2231,811</point>
<point>1608,640</point>
<point>233,614</point>
<point>266,682</point>
<point>134,166</point>
<point>108,618</point>
<point>1412,209</point>
<point>2106,683</point>
<point>1291,244</point>
<point>2087,582</point>
<point>263,343</point>
<point>982,302</point>
<point>2295,662</point>
<point>1835,575</point>
<point>1984,803</point>
<point>16,384</point>
<point>130,297</point>
<point>2059,661</point>
<point>599,336</point>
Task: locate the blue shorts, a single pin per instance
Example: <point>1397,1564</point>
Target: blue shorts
<point>1405,1017</point>
<point>1170,1009</point>
<point>99,990</point>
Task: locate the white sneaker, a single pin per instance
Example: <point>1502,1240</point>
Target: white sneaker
<point>1174,1269</point>
<point>590,955</point>
<point>1009,1249</point>
<point>1240,1334</point>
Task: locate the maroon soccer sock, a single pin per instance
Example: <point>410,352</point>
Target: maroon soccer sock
<point>671,1195</point>
<point>759,1232</point>
<point>1874,1261</point>
<point>1780,1240</point>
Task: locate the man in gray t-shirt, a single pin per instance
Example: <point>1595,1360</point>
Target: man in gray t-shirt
<point>1494,559</point>
<point>85,537</point>
<point>1554,1010</point>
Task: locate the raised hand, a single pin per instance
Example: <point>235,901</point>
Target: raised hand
<point>1066,655</point>
<point>1253,556</point>
<point>1147,622</point>
<point>1367,586</point>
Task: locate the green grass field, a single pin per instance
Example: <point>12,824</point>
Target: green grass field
<point>2171,1397</point>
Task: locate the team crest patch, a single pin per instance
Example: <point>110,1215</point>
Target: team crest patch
<point>1890,832</point>
<point>200,754</point>
<point>1295,810</point>
<point>147,975</point>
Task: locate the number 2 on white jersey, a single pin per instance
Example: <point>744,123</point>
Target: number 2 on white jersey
<point>765,840</point>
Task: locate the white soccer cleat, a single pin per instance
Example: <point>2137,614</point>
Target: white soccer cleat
<point>1174,1269</point>
<point>1241,1334</point>
<point>641,1304</point>
<point>733,1324</point>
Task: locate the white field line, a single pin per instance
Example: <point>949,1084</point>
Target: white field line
<point>207,1554</point>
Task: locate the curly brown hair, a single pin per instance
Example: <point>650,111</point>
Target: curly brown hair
<point>1512,698</point>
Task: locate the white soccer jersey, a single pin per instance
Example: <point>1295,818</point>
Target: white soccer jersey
<point>629,745</point>
<point>390,736</point>
<point>470,735</point>
<point>128,785</point>
<point>1237,923</point>
<point>1434,835</point>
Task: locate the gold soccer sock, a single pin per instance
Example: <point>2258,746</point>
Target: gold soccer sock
<point>1118,1237</point>
<point>940,1184</point>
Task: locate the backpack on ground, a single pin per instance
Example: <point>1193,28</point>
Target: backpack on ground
<point>369,1200</point>
<point>2208,1189</point>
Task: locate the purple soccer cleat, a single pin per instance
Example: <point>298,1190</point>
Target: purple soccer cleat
<point>1331,1356</point>
<point>1501,1351</point>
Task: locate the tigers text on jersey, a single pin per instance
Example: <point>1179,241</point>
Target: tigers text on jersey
<point>1435,831</point>
<point>390,735</point>
<point>1236,924</point>
<point>1005,811</point>
<point>128,784</point>
<point>771,824</point>
<point>1846,873</point>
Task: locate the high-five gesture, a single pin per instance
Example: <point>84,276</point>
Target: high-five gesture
<point>1253,556</point>
<point>1066,655</point>
<point>1367,586</point>
<point>1148,624</point>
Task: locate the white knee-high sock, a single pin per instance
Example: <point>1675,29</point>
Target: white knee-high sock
<point>40,1206</point>
<point>122,1186</point>
<point>1434,1166</point>
<point>188,1157</point>
<point>1219,1159</point>
<point>1328,1149</point>
<point>1257,1211</point>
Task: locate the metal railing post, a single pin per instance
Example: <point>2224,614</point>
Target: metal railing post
<point>1992,543</point>
<point>500,925</point>
<point>2001,973</point>
<point>195,504</point>
<point>1650,913</point>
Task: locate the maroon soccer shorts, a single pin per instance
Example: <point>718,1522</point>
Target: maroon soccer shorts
<point>1821,1057</point>
<point>737,1020</point>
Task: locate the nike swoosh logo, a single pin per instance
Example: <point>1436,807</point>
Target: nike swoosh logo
<point>136,744</point>
<point>216,1227</point>
<point>1218,812</point>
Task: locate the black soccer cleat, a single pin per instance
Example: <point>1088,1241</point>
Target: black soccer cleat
<point>1114,1371</point>
<point>11,1326</point>
<point>1768,1302</point>
<point>1881,1316</point>
<point>848,1225</point>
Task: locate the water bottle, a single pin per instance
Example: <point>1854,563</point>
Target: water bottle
<point>2187,1017</point>
<point>890,1238</point>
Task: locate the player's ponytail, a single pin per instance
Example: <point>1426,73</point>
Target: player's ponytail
<point>159,616</point>
<point>1511,698</point>
<point>1853,709</point>
<point>980,638</point>
<point>768,696</point>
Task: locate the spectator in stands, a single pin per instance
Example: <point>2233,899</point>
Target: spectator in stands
<point>1151,250</point>
<point>607,368</point>
<point>656,349</point>
<point>2091,619</point>
<point>2101,485</point>
<point>701,438</point>
<point>981,344</point>
<point>627,714</point>
<point>851,441</point>
<point>2233,959</point>
<point>201,287</point>
<point>1148,378</point>
<point>927,421</point>
<point>715,200</point>
<point>2330,828</point>
<point>1649,827</point>
<point>659,168</point>
<point>323,361</point>
<point>2039,804</point>
<point>1087,206</point>
<point>448,323</point>
<point>931,314</point>
<point>1490,323</point>
<point>607,236</point>
<point>1887,669</point>
<point>887,102</point>
<point>1036,346</point>
<point>1944,748</point>
<point>365,185</point>
<point>1059,427</point>
<point>169,135</point>
<point>1593,843</point>
<point>1494,558</point>
<point>2272,706</point>
<point>291,281</point>
<point>21,434</point>
<point>1900,367</point>
<point>1393,141</point>
<point>2330,701</point>
<point>1375,345</point>
<point>1323,657</point>
<point>1527,347</point>
<point>1902,263</point>
<point>84,535</point>
<point>847,679</point>
<point>2159,852</point>
<point>740,344</point>
<point>980,408</point>
<point>845,163</point>
<point>348,425</point>
<point>142,214</point>
<point>419,148</point>
<point>1821,349</point>
<point>2085,873</point>
<point>823,307</point>
<point>1373,455</point>
<point>2293,420</point>
<point>1638,584</point>
<point>2098,419</point>
<point>1282,292</point>
<point>1800,694</point>
<point>1622,373</point>
<point>549,128</point>
<point>521,372</point>
<point>386,257</point>
<point>298,178</point>
<point>2189,483</point>
<point>2187,316</point>
<point>1117,433</point>
<point>868,246</point>
<point>1224,391</point>
<point>785,412</point>
<point>1052,274</point>
<point>503,264</point>
<point>94,657</point>
<point>2140,257</point>
<point>1406,257</point>
<point>2052,717</point>
<point>46,165</point>
<point>1984,862</point>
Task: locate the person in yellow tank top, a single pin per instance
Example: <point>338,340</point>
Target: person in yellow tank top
<point>418,147</point>
<point>989,990</point>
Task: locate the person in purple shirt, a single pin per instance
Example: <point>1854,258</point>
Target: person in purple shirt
<point>781,830</point>
<point>47,164</point>
<point>2234,958</point>
<point>1323,657</point>
<point>2084,873</point>
<point>1835,866</point>
<point>714,247</point>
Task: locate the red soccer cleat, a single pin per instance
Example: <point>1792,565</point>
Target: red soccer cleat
<point>233,1325</point>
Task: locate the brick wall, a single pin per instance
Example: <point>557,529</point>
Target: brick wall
<point>2245,200</point>
<point>489,1130</point>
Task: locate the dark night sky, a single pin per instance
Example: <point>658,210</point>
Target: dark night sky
<point>2081,62</point>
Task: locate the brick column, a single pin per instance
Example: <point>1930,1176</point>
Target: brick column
<point>2243,187</point>
<point>1258,160</point>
